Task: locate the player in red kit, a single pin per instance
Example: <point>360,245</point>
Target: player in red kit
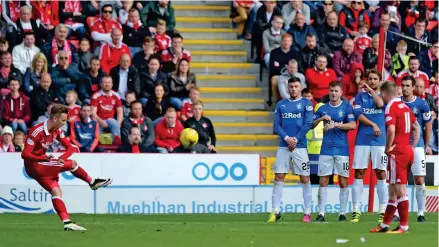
<point>45,168</point>
<point>401,124</point>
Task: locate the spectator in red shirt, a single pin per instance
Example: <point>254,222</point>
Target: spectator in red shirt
<point>74,109</point>
<point>342,59</point>
<point>352,15</point>
<point>172,55</point>
<point>102,27</point>
<point>162,40</point>
<point>112,51</point>
<point>413,71</point>
<point>106,105</point>
<point>186,110</point>
<point>319,77</point>
<point>362,41</point>
<point>167,132</point>
<point>17,111</point>
<point>351,80</point>
<point>47,12</point>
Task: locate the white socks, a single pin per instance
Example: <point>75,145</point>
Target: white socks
<point>344,196</point>
<point>357,191</point>
<point>307,197</point>
<point>323,192</point>
<point>277,196</point>
<point>420,198</point>
<point>383,195</point>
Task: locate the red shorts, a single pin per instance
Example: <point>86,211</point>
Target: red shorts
<point>400,162</point>
<point>47,173</point>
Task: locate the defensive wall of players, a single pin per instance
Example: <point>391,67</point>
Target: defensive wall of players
<point>174,183</point>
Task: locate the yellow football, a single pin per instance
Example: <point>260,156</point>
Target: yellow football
<point>188,138</point>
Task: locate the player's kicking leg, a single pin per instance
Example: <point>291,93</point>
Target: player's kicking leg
<point>94,184</point>
<point>301,168</point>
<point>281,167</point>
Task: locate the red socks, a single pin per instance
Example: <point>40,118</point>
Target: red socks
<point>403,209</point>
<point>60,208</point>
<point>390,211</point>
<point>81,174</point>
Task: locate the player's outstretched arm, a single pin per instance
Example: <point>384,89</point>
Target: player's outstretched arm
<point>416,133</point>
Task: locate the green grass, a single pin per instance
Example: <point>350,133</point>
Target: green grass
<point>33,230</point>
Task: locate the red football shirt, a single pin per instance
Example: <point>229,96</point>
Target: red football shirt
<point>106,103</point>
<point>39,139</point>
<point>400,115</point>
<point>73,113</point>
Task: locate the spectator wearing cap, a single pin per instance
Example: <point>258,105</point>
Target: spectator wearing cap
<point>17,110</point>
<point>319,77</point>
<point>143,123</point>
<point>157,104</point>
<point>150,77</point>
<point>272,37</point>
<point>112,51</point>
<point>167,132</point>
<point>290,10</point>
<point>24,53</point>
<point>299,30</point>
<point>331,35</point>
<point>322,12</point>
<point>345,57</point>
<point>418,32</point>
<point>310,52</point>
<point>66,77</point>
<point>25,25</point>
<point>280,57</point>
<point>180,84</point>
<point>6,144</point>
<point>140,59</point>
<point>125,77</point>
<point>279,83</point>
<point>73,14</point>
<point>172,55</point>
<point>47,12</point>
<point>351,16</point>
<point>159,10</point>
<point>134,32</point>
<point>8,70</point>
<point>107,109</point>
<point>370,56</point>
<point>42,96</point>
<point>428,59</point>
<point>84,132</point>
<point>60,43</point>
<point>265,16</point>
<point>101,28</point>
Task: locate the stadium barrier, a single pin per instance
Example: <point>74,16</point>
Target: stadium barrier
<point>183,184</point>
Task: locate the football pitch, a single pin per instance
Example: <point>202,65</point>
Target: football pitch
<point>45,230</point>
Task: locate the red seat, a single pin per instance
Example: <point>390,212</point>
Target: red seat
<point>75,43</point>
<point>431,25</point>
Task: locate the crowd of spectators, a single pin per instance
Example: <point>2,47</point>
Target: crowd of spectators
<point>322,41</point>
<point>119,66</point>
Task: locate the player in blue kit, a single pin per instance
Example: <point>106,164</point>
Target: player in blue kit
<point>292,120</point>
<point>338,117</point>
<point>370,143</point>
<point>421,110</point>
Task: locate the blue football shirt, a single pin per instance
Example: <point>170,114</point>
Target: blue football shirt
<point>421,110</point>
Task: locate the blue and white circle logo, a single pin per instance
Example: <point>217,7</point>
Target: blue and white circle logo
<point>219,171</point>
